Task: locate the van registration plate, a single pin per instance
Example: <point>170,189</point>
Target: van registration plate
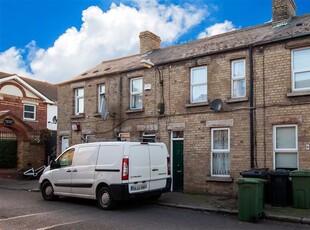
<point>138,187</point>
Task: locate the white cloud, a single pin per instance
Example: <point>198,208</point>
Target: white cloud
<point>11,61</point>
<point>217,28</point>
<point>103,35</point>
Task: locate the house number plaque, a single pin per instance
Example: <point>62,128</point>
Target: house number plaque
<point>8,121</point>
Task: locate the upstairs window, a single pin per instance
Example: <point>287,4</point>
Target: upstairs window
<point>301,69</point>
<point>238,86</point>
<point>79,101</point>
<point>29,112</point>
<point>101,96</point>
<point>136,93</point>
<point>199,86</point>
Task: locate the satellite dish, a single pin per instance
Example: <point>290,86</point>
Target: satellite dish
<point>216,105</point>
<point>104,108</point>
<point>54,120</point>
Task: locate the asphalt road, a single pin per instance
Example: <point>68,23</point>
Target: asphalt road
<point>27,210</point>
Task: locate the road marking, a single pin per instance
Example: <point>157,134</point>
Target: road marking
<point>28,215</point>
<point>63,224</point>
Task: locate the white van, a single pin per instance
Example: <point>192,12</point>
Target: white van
<point>108,172</point>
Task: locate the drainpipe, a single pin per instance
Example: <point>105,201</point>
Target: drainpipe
<point>251,107</point>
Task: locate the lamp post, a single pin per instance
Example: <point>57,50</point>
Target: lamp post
<point>161,105</point>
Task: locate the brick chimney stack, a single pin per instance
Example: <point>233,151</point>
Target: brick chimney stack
<point>283,10</point>
<point>148,41</point>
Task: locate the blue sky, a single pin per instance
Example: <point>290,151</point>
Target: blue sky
<point>55,40</point>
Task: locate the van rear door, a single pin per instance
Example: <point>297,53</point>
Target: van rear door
<point>139,168</point>
<point>159,167</point>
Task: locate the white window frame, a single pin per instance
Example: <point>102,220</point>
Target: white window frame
<point>148,136</point>
<point>78,99</point>
<point>220,151</point>
<point>101,94</point>
<point>284,150</point>
<point>235,78</point>
<point>65,143</point>
<point>295,71</point>
<point>30,112</point>
<point>192,86</point>
<point>133,94</point>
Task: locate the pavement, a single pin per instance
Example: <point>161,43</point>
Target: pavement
<point>197,202</point>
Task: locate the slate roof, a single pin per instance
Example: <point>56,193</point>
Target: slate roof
<point>47,89</point>
<point>265,33</point>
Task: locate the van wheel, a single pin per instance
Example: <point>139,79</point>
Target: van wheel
<point>104,199</point>
<point>48,191</point>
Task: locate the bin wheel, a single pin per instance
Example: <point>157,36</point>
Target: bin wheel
<point>254,219</point>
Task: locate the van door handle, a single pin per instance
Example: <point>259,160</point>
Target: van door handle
<point>69,170</point>
<point>154,170</point>
<point>74,170</point>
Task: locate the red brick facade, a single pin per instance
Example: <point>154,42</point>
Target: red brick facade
<point>15,96</point>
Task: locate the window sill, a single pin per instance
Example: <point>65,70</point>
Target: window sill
<point>298,94</point>
<point>135,111</point>
<point>78,116</point>
<point>189,105</point>
<point>220,179</point>
<point>239,99</point>
<point>33,121</point>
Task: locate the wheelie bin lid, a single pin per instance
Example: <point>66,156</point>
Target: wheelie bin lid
<point>304,173</point>
<point>250,180</point>
<point>255,173</point>
<point>279,172</point>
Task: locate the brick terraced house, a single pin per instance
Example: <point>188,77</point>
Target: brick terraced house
<point>222,104</point>
<point>28,122</point>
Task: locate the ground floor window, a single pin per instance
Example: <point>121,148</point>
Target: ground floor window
<point>148,137</point>
<point>124,136</point>
<point>90,138</point>
<point>220,152</point>
<point>285,144</point>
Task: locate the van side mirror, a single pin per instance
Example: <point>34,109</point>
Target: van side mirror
<point>54,164</point>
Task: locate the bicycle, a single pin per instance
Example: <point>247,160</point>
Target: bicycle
<point>33,173</point>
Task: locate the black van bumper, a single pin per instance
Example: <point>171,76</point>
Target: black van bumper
<point>121,192</point>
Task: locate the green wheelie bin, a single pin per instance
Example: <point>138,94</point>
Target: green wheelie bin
<point>250,198</point>
<point>301,188</point>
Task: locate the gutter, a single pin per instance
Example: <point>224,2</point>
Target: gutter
<point>252,146</point>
